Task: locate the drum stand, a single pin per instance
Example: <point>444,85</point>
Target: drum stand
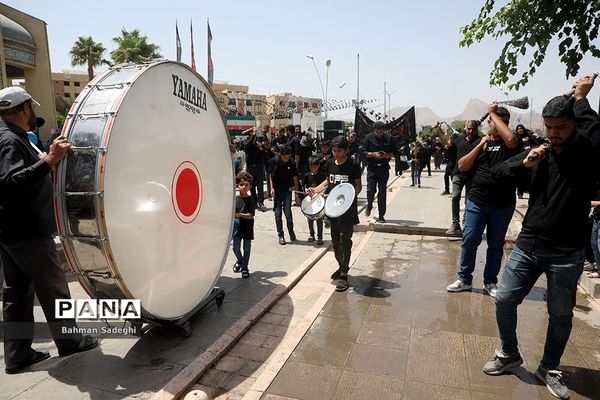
<point>183,323</point>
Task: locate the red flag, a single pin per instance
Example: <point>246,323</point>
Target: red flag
<point>210,63</point>
<point>177,42</point>
<point>192,39</point>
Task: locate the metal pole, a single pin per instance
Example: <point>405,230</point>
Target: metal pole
<point>384,98</point>
<point>318,75</point>
<point>357,79</point>
<point>327,64</point>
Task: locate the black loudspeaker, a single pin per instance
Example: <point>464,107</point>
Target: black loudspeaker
<point>334,125</point>
<point>330,134</point>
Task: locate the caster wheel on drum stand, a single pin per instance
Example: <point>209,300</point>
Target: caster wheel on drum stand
<point>187,329</point>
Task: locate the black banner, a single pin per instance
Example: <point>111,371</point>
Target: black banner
<point>403,128</point>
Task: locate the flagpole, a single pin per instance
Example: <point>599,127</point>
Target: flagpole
<point>357,79</point>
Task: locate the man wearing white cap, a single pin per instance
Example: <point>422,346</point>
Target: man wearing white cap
<point>27,247</point>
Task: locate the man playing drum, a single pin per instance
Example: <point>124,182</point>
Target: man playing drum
<point>341,169</point>
<point>27,247</point>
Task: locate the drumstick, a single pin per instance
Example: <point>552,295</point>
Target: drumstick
<point>572,91</point>
<point>35,148</point>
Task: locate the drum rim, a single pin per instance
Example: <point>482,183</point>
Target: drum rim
<point>59,202</point>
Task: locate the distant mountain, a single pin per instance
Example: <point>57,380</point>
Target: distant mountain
<point>474,109</point>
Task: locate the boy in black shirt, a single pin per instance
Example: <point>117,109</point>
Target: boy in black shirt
<point>341,169</point>
<point>312,179</point>
<point>245,207</point>
<point>284,181</point>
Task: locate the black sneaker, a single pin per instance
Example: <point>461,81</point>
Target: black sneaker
<point>245,274</point>
<point>319,240</point>
<point>445,193</point>
<point>335,275</point>
<point>237,267</point>
<point>381,220</point>
<point>292,237</point>
<point>281,240</point>
<point>501,362</point>
<point>553,380</point>
<point>311,239</point>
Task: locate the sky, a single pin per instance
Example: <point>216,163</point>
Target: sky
<point>412,46</point>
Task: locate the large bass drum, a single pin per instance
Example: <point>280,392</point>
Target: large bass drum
<point>144,201</point>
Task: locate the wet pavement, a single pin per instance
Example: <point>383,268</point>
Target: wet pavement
<point>397,333</point>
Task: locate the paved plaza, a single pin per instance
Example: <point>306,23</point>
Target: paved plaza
<point>395,334</point>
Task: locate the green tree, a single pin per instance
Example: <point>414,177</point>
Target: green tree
<point>132,47</point>
<point>529,26</point>
<point>87,52</point>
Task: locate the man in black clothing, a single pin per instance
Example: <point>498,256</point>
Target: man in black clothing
<point>378,149</point>
<point>27,247</point>
<point>279,140</point>
<point>553,236</point>
<point>284,182</point>
<point>255,166</point>
<point>341,169</point>
<point>490,203</point>
<point>459,147</point>
<point>527,142</point>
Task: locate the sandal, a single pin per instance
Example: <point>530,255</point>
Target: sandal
<point>594,274</point>
<point>342,285</point>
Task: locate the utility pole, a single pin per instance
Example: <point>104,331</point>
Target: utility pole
<point>384,98</point>
<point>357,79</point>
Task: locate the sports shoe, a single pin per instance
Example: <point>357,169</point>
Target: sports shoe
<point>445,192</point>
<point>311,239</point>
<point>237,267</point>
<point>501,362</point>
<point>491,289</point>
<point>319,240</point>
<point>281,240</point>
<point>245,274</point>
<point>553,380</point>
<point>454,230</point>
<point>589,266</point>
<point>459,286</point>
<point>368,211</point>
<point>292,237</point>
<point>381,220</point>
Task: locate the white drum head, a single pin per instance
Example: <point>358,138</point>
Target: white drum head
<point>339,200</point>
<point>312,207</point>
<point>168,190</point>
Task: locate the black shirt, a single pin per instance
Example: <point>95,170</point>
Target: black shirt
<point>254,153</point>
<point>311,180</point>
<point>562,187</point>
<point>26,193</point>
<point>488,189</point>
<point>348,172</point>
<point>282,174</point>
<point>372,143</point>
<point>245,205</point>
<point>460,147</point>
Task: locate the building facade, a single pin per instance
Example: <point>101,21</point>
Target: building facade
<point>25,60</point>
<point>68,84</point>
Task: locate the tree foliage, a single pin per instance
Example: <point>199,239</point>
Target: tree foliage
<point>529,26</point>
<point>132,47</point>
<point>87,52</point>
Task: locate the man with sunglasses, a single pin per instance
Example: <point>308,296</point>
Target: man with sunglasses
<point>490,202</point>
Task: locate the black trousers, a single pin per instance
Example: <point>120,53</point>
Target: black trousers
<point>32,267</point>
<point>377,183</point>
<point>341,238</point>
<point>258,175</point>
<point>311,227</point>
<point>448,177</point>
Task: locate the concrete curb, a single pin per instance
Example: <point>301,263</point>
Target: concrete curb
<point>190,374</point>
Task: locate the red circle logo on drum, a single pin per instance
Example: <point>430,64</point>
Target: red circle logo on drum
<point>186,192</point>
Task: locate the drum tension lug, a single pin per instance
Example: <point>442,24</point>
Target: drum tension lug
<point>95,274</point>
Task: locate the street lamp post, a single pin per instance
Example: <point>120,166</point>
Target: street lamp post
<point>327,64</point>
<point>323,91</point>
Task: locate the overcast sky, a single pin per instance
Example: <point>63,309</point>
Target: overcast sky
<point>413,46</point>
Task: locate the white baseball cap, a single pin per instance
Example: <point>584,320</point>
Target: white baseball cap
<point>13,96</point>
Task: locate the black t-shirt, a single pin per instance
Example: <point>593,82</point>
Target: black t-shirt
<point>254,154</point>
<point>348,172</point>
<point>486,189</point>
<point>461,147</point>
<point>245,205</point>
<point>387,144</point>
<point>311,180</point>
<point>282,174</point>
<point>294,143</point>
<point>323,158</point>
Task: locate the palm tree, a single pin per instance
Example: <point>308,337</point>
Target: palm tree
<point>133,48</point>
<point>87,52</point>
